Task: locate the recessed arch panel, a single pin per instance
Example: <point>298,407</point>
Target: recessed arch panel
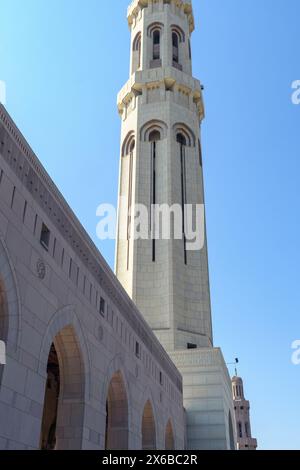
<point>183,130</point>
<point>128,144</point>
<point>151,127</point>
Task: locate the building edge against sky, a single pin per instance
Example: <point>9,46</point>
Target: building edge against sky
<point>161,109</point>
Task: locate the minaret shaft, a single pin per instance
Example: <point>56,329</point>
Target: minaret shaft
<point>161,109</point>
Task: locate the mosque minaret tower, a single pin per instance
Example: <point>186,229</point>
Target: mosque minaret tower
<point>161,109</point>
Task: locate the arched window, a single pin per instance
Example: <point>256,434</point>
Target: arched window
<point>136,52</point>
<point>181,139</point>
<point>178,37</point>
<point>154,32</point>
<point>128,152</point>
<point>128,144</point>
<point>156,45</point>
<point>175,44</point>
<point>154,137</point>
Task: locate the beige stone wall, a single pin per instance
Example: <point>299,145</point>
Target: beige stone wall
<point>51,299</point>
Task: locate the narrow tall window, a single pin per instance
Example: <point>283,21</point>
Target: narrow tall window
<point>102,307</point>
<point>45,237</point>
<point>137,47</point>
<point>175,43</point>
<point>129,206</point>
<point>156,45</point>
<point>153,138</point>
<point>240,430</point>
<point>182,143</point>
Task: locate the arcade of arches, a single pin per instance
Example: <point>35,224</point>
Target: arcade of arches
<point>65,376</point>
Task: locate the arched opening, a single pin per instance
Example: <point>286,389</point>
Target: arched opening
<point>128,144</point>
<point>136,51</point>
<point>49,423</point>
<point>231,434</point>
<point>154,136</point>
<point>63,412</point>
<point>175,44</point>
<point>116,432</point>
<point>148,428</point>
<point>169,437</point>
<point>181,139</point>
<point>156,44</point>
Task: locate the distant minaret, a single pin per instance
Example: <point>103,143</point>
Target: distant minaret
<point>242,415</point>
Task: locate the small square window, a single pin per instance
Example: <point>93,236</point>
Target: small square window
<point>102,306</point>
<point>191,346</point>
<point>45,237</point>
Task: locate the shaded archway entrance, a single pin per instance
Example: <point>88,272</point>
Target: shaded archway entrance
<point>148,428</point>
<point>169,437</point>
<point>49,423</point>
<point>116,432</point>
<point>63,413</point>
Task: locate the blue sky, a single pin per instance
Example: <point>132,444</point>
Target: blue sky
<point>64,62</point>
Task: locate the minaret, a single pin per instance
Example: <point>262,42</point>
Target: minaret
<point>242,416</point>
<point>161,108</point>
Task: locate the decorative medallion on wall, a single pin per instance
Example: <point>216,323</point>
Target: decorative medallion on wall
<point>41,269</point>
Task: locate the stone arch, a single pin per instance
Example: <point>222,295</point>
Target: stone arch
<point>136,52</point>
<point>117,423</point>
<point>136,45</point>
<point>231,433</point>
<point>179,31</point>
<point>64,353</point>
<point>128,144</point>
<point>153,126</point>
<point>156,26</point>
<point>63,410</point>
<point>169,436</point>
<point>185,131</point>
<point>149,436</point>
<point>117,369</point>
<point>10,308</point>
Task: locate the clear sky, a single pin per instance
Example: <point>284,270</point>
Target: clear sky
<point>64,62</point>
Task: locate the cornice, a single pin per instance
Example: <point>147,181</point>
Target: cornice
<point>168,77</point>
